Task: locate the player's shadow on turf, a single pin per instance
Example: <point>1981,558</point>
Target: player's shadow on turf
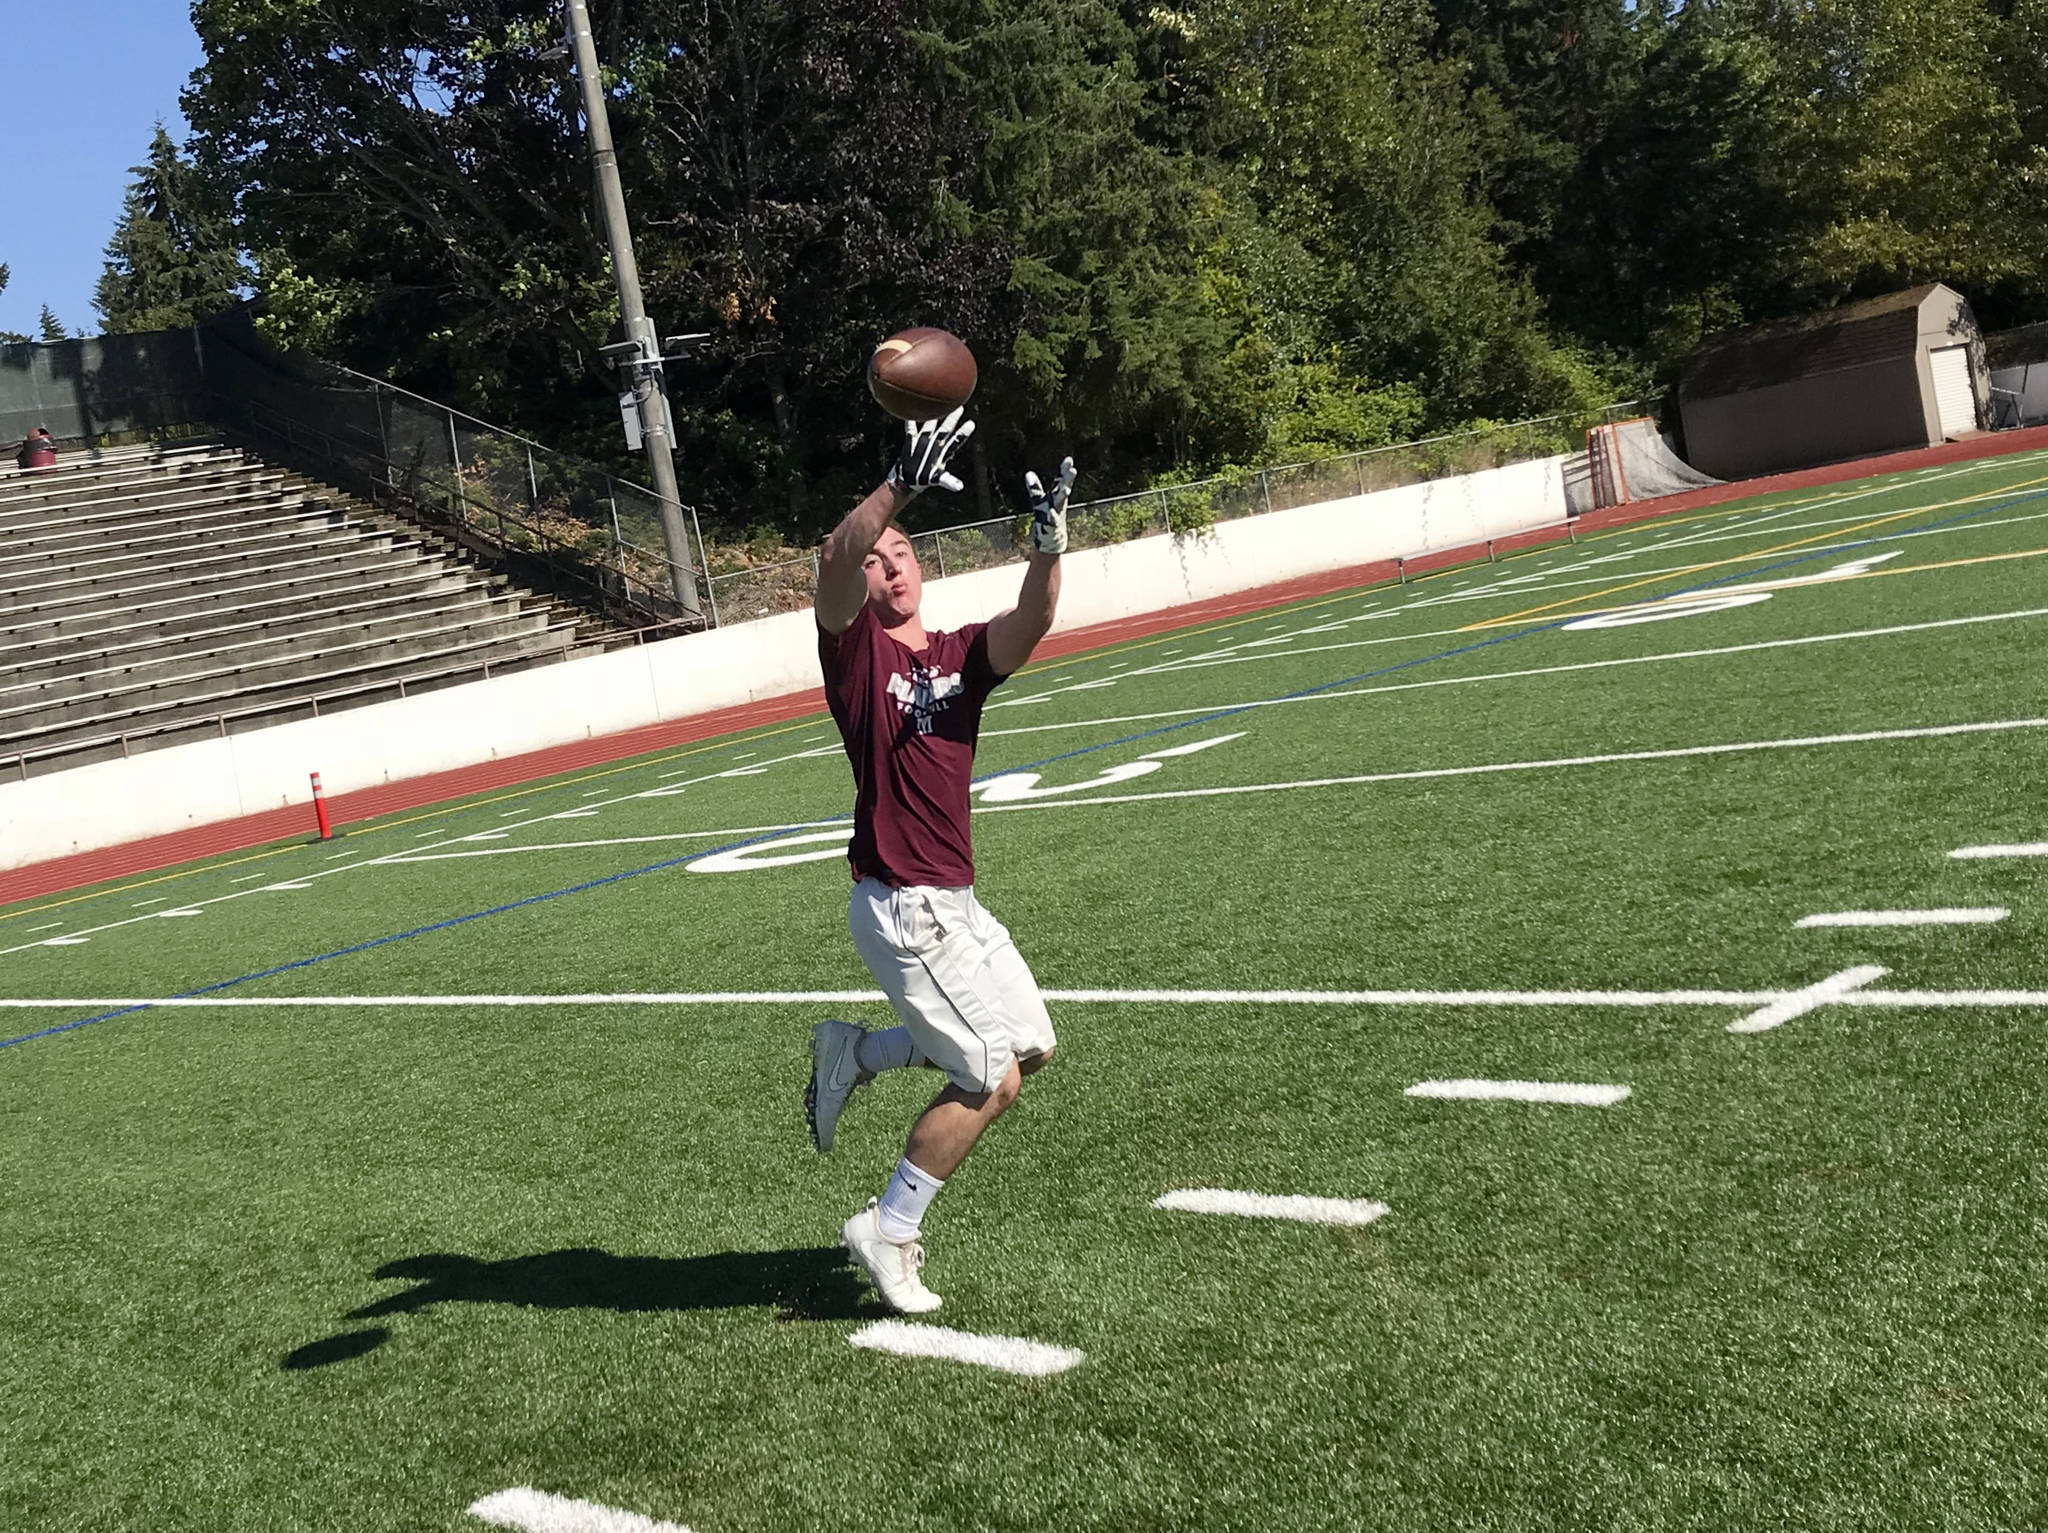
<point>811,1283</point>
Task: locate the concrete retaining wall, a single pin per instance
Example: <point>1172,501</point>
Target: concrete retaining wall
<point>109,803</point>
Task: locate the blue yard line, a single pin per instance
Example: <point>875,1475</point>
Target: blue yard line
<point>1086,750</point>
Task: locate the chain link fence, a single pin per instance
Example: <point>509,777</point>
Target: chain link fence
<point>1192,508</point>
<point>551,521</point>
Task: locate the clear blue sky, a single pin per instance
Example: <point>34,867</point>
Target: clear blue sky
<point>77,111</point>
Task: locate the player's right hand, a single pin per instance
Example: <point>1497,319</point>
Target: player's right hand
<point>927,447</point>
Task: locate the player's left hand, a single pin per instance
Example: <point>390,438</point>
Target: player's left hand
<point>1049,509</point>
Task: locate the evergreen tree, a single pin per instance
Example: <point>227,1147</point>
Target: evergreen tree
<point>52,327</point>
<point>8,337</point>
<point>172,259</point>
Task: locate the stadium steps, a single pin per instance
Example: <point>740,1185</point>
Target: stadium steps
<point>233,693</point>
<point>240,647</point>
<point>409,588</point>
<point>148,596</point>
<point>254,667</point>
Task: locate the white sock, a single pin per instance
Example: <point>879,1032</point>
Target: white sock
<point>888,1049</point>
<point>910,1194</point>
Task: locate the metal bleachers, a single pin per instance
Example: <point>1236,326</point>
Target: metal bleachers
<point>152,596</point>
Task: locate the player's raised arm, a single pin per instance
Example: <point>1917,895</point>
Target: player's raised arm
<point>921,463</point>
<point>1012,635</point>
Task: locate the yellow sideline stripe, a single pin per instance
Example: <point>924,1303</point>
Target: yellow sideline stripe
<point>1764,553</point>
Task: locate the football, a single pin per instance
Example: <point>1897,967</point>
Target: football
<point>918,374</point>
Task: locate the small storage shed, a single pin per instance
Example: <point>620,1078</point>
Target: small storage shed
<point>1906,370</point>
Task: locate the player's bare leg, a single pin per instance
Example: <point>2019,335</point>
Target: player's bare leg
<point>956,1120</point>
<point>883,1237</point>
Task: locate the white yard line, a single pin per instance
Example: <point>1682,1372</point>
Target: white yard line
<point>1566,1092</point>
<point>577,846</point>
<point>1803,742</point>
<point>1754,647</point>
<point>1735,649</point>
<point>1834,988</point>
<point>1009,1354</point>
<point>1831,992</point>
<point>536,1511</point>
<point>1259,1205</point>
<point>249,878</point>
<point>47,926</point>
<point>283,887</point>
<point>145,904</point>
<point>2021,849</point>
<point>1980,915</point>
<point>195,908</point>
<point>1365,779</point>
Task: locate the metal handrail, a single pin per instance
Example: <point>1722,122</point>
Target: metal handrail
<point>558,556</point>
<point>532,446</point>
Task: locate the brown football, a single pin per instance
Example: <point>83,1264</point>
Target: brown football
<point>918,374</point>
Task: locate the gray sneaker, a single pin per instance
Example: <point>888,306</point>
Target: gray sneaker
<point>835,1071</point>
<point>893,1266</point>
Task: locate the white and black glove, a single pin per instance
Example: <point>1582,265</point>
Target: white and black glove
<point>927,447</point>
<point>1049,510</point>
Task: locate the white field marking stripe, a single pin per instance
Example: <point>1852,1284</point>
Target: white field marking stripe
<point>194,909</point>
<point>2021,849</point>
<point>1677,753</point>
<point>1011,1354</point>
<point>1827,638</point>
<point>1800,1002</point>
<point>1547,670</point>
<point>1566,1092</point>
<point>672,835</point>
<point>1510,999</point>
<point>1897,1000</point>
<point>1367,779</point>
<point>1520,586</point>
<point>1980,915</point>
<point>369,861</point>
<point>1758,523</point>
<point>538,1512</point>
<point>1259,1205</point>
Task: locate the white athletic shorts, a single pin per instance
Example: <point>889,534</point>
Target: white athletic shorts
<point>955,978</point>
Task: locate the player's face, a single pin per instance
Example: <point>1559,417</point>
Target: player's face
<point>895,583</point>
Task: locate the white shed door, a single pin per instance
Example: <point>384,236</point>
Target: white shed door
<point>1954,397</point>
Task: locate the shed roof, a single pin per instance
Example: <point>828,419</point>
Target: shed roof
<point>1854,335</point>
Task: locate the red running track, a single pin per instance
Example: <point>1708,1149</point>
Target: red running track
<point>254,830</point>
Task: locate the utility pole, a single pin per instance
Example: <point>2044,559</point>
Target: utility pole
<point>639,357</point>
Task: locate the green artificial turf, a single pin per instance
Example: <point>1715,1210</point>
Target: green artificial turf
<point>354,1266</point>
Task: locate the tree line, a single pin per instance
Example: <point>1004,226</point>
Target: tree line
<point>1178,236</point>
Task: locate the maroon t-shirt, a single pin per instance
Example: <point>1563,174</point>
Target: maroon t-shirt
<point>910,720</point>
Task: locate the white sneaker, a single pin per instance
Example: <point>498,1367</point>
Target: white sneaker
<point>893,1266</point>
<point>835,1071</point>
